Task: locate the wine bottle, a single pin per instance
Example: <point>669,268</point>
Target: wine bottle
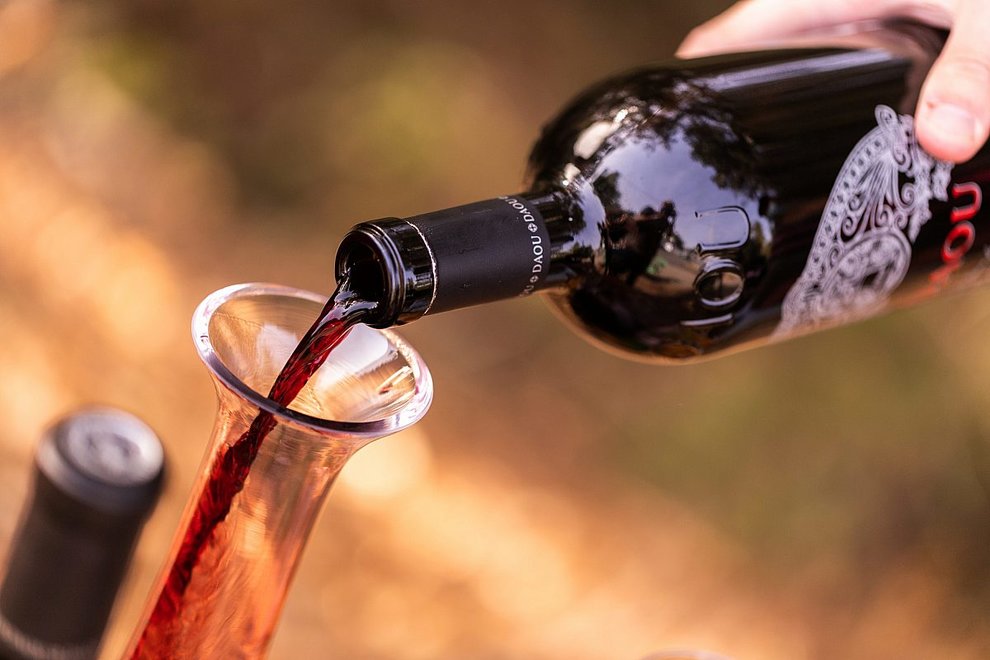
<point>685,209</point>
<point>97,475</point>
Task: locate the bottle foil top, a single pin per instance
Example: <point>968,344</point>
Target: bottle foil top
<point>104,458</point>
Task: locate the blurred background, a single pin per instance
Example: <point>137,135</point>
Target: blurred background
<point>824,498</point>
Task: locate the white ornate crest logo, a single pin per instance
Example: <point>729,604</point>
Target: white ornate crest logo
<point>862,249</point>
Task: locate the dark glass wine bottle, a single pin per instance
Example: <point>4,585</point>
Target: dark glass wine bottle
<point>97,475</point>
<point>686,209</point>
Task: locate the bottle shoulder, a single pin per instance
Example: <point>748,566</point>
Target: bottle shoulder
<point>709,95</point>
<point>826,64</point>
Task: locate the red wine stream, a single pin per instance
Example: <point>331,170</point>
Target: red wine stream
<point>232,465</point>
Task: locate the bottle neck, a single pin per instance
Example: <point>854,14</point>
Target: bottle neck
<point>497,249</point>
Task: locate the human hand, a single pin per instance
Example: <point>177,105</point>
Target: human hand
<point>953,114</point>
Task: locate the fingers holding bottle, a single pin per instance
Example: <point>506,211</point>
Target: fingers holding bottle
<point>953,116</point>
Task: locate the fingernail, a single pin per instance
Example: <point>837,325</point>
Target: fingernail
<point>955,124</point>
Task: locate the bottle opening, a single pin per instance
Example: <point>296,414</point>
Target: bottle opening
<point>388,263</point>
<point>366,274</point>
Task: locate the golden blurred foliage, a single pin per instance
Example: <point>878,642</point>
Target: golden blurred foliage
<point>827,498</point>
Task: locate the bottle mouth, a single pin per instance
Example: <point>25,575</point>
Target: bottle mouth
<point>371,261</point>
<point>389,263</point>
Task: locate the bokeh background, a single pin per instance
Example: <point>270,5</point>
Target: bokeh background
<point>825,498</point>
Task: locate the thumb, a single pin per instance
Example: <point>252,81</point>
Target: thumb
<point>953,116</point>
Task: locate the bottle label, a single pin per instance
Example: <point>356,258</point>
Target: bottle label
<point>863,246</point>
<point>538,250</point>
<point>486,251</point>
